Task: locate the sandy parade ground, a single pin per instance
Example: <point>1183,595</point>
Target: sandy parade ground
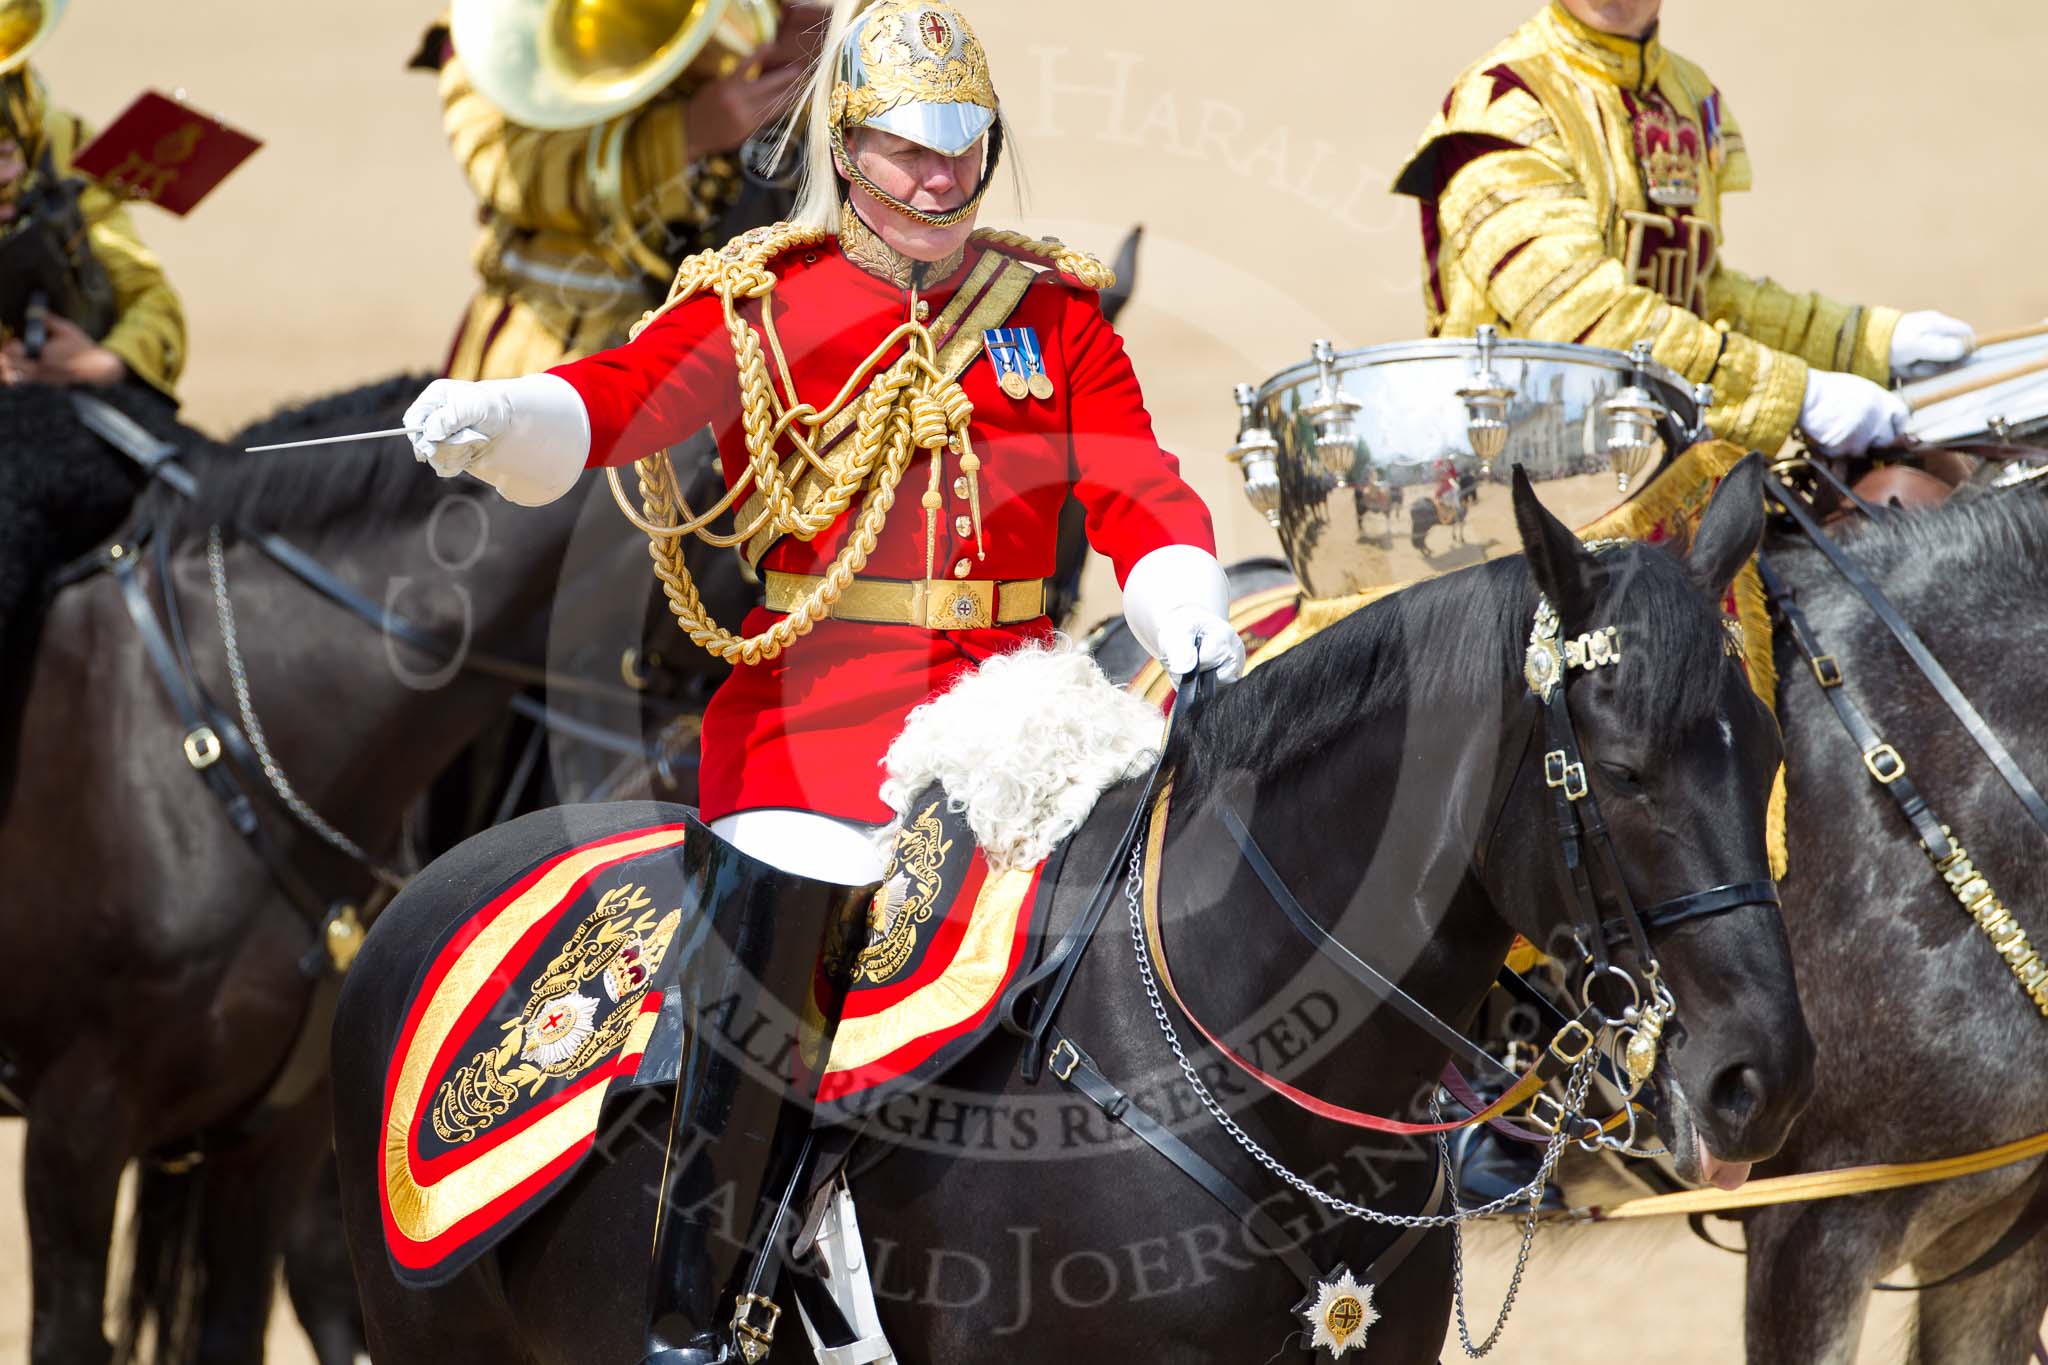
<point>1897,155</point>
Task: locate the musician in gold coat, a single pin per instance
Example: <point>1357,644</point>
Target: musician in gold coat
<point>569,258</point>
<point>147,340</point>
<point>1571,191</point>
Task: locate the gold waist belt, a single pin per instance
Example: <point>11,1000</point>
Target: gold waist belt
<point>933,603</point>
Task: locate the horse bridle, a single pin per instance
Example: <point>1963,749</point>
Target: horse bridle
<point>1035,1003</point>
<point>1586,847</point>
<point>219,750</point>
<point>1584,838</point>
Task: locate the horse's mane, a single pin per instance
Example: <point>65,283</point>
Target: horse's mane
<point>1451,641</point>
<point>2007,529</point>
<point>323,489</point>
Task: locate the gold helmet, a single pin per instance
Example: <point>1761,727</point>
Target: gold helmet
<point>915,69</point>
<point>24,25</point>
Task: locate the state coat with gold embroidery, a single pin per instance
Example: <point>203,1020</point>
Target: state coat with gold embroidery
<point>1571,191</point>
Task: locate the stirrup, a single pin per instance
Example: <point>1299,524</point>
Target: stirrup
<point>754,1341</point>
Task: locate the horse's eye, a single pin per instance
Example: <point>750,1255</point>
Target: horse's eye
<point>1623,776</point>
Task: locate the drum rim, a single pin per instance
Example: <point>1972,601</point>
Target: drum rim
<point>1507,348</point>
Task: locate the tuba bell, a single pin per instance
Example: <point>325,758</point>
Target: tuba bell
<point>558,64</point>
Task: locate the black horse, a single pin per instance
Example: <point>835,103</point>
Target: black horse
<point>1907,999</point>
<point>1390,770</point>
<point>167,962</point>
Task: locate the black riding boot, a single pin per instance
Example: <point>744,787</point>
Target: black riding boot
<point>757,987</point>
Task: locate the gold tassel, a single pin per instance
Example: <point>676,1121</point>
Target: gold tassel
<point>959,411</point>
<point>970,465</point>
<point>932,502</point>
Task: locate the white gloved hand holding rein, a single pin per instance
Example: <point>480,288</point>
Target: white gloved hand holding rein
<point>1846,414</point>
<point>528,437</point>
<point>1177,602</point>
<point>1928,342</point>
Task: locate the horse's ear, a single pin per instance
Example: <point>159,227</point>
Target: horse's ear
<point>1731,529</point>
<point>1557,560</point>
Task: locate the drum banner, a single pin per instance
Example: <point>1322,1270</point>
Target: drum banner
<point>948,935</point>
<point>529,1012</point>
<point>1666,509</point>
<point>161,151</point>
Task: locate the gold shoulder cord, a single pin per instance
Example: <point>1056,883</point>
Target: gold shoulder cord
<point>911,404</point>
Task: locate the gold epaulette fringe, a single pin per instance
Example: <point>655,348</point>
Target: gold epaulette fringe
<point>1077,265</point>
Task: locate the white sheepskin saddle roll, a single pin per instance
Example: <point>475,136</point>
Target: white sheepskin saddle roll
<point>1023,746</point>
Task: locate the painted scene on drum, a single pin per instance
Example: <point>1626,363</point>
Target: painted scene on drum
<point>696,681</point>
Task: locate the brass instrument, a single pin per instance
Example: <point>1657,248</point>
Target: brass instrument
<point>558,64</point>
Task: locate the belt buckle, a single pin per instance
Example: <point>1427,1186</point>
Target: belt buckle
<point>957,604</point>
<point>1826,671</point>
<point>1064,1054</point>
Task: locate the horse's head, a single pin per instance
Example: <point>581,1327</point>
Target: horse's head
<point>1654,759</point>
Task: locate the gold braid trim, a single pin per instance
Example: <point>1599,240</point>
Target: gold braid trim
<point>908,406</point>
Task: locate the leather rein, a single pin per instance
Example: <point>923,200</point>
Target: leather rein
<point>1586,847</point>
<point>1580,827</point>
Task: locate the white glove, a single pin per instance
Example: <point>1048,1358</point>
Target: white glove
<point>1846,414</point>
<point>1177,602</point>
<point>1928,342</point>
<point>527,437</point>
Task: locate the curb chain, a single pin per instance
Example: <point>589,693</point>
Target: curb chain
<point>216,570</point>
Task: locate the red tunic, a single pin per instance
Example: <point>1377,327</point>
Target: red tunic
<point>808,730</point>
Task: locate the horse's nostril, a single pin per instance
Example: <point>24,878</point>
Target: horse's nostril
<point>1738,1093</point>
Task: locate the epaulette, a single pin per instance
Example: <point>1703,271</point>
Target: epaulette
<point>740,268</point>
<point>1070,263</point>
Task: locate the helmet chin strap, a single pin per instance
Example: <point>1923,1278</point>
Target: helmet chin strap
<point>855,176</point>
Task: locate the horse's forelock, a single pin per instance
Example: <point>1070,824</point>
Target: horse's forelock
<point>1667,623</point>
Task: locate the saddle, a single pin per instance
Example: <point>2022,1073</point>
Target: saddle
<point>948,937</point>
<point>556,997</point>
<point>1927,482</point>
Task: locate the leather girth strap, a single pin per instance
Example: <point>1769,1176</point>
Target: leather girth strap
<point>2029,1224</point>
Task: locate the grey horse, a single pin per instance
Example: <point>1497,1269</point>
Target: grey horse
<point>1928,1046</point>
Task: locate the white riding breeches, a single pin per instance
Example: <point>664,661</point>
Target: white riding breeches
<point>821,847</point>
